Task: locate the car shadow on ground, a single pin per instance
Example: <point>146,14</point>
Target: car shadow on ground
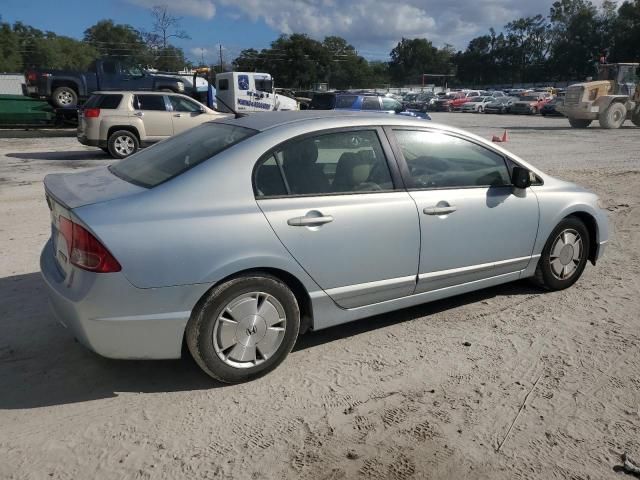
<point>75,155</point>
<point>568,127</point>
<point>41,364</point>
<point>37,133</point>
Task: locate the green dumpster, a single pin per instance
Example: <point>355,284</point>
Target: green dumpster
<point>16,110</point>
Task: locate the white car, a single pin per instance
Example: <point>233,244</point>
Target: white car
<point>476,104</point>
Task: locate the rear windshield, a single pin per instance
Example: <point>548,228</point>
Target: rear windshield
<point>323,101</point>
<point>108,102</point>
<point>174,156</point>
<point>345,101</point>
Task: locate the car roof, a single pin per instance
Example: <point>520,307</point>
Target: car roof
<point>262,121</point>
<point>133,92</point>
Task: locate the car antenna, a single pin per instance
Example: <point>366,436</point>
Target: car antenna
<point>238,115</point>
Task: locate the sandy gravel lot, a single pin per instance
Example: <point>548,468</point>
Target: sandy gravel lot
<point>392,397</point>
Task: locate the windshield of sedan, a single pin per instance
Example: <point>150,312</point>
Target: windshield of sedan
<point>168,159</point>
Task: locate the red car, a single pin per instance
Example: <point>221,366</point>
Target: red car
<point>530,103</point>
<point>450,102</point>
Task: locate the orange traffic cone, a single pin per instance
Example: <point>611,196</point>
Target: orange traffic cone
<point>497,139</point>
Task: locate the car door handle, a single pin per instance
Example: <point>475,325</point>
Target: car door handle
<point>309,221</point>
<point>138,114</point>
<point>439,210</point>
<point>177,115</point>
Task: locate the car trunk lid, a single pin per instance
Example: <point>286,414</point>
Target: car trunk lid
<point>67,191</point>
<point>73,190</point>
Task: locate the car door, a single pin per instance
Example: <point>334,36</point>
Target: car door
<point>186,113</point>
<point>155,114</point>
<point>473,224</point>
<point>335,202</point>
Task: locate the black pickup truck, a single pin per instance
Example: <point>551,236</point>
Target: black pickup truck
<point>64,88</point>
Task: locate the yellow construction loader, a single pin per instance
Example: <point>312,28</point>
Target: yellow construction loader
<point>611,99</point>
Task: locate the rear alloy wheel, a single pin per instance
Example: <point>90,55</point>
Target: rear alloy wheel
<point>579,123</point>
<point>244,328</point>
<point>614,116</point>
<point>564,256</point>
<point>123,143</point>
<point>64,97</point>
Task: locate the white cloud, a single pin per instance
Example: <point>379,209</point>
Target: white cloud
<point>194,8</point>
<point>375,24</point>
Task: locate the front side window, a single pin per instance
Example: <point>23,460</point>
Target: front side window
<point>223,84</point>
<point>170,158</point>
<point>149,102</point>
<point>370,103</point>
<point>436,160</point>
<point>181,104</point>
<point>333,163</point>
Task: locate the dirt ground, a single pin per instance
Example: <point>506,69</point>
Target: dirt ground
<point>392,397</point>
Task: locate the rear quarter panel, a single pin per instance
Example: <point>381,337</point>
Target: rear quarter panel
<point>198,228</point>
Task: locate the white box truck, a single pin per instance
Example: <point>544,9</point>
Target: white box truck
<point>250,92</point>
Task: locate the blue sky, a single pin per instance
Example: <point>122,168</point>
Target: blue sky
<point>372,26</point>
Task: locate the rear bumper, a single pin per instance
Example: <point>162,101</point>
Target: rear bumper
<point>91,142</point>
<point>115,319</point>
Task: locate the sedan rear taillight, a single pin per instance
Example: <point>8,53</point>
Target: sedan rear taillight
<point>85,251</point>
<point>91,112</point>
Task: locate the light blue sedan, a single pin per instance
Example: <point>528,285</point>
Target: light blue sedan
<point>241,234</point>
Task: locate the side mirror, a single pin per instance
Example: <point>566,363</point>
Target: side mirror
<point>521,177</point>
<point>203,110</point>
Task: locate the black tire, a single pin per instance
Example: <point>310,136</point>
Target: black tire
<point>117,138</point>
<point>200,328</point>
<point>545,276</point>
<point>579,123</point>
<point>635,118</point>
<point>449,109</point>
<point>64,97</point>
<point>614,116</point>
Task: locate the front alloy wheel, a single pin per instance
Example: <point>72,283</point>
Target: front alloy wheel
<point>566,253</point>
<point>564,256</point>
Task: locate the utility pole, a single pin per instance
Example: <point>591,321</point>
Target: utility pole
<point>221,63</point>
<point>202,56</point>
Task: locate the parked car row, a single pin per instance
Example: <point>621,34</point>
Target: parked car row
<point>526,103</point>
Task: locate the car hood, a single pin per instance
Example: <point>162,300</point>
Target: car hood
<point>75,190</point>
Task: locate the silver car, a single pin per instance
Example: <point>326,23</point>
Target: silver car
<point>238,235</point>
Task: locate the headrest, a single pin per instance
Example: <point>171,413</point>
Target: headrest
<point>302,153</point>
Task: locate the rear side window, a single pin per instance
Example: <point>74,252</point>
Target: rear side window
<point>107,101</point>
<point>371,103</point>
<point>332,163</point>
<point>223,84</point>
<point>168,159</point>
<point>149,102</point>
<point>436,160</point>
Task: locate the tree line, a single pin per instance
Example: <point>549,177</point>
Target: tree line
<point>23,47</point>
<point>564,45</point>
